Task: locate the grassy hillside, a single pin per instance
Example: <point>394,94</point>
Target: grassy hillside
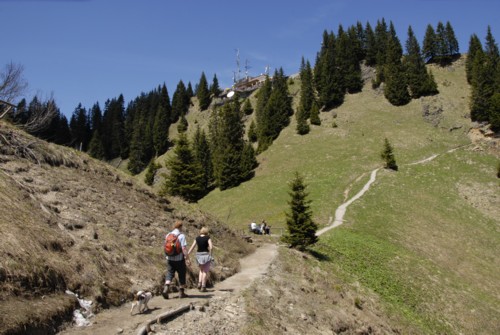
<point>425,238</point>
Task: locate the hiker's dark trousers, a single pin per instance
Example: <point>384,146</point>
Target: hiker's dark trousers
<point>180,268</point>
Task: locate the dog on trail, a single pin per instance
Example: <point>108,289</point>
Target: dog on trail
<point>141,299</point>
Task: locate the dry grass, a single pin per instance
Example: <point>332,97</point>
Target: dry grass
<point>72,223</point>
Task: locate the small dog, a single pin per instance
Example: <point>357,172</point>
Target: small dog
<point>141,300</point>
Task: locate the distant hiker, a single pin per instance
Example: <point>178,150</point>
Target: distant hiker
<point>176,259</point>
<point>254,228</point>
<point>264,228</point>
<point>203,257</point>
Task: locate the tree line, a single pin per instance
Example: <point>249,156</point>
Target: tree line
<point>224,157</point>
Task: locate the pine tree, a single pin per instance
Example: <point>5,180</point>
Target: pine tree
<point>80,128</point>
<point>248,162</point>
<point>203,93</point>
<point>451,41</point>
<point>252,132</point>
<point>302,126</point>
<point>180,102</point>
<point>301,229</point>
<point>227,144</point>
<point>203,155</point>
<point>162,123</point>
<point>214,88</point>
<point>149,178</point>
<point>429,48</point>
<point>183,124</point>
<point>396,85</point>
<point>247,107</point>
<point>474,47</point>
<point>314,117</point>
<point>491,49</point>
<point>185,178</point>
<point>306,88</point>
<point>371,47</point>
<point>96,148</point>
<point>420,82</point>
<point>388,156</point>
<point>482,87</point>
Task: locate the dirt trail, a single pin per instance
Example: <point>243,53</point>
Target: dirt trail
<point>119,321</point>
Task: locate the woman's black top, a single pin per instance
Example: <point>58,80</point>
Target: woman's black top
<point>202,243</point>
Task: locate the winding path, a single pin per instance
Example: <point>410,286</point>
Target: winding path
<point>340,212</point>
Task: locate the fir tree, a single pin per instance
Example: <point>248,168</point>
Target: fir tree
<point>80,128</point>
<point>203,93</point>
<point>388,156</point>
<point>474,47</point>
<point>252,132</point>
<point>180,102</point>
<point>302,126</point>
<point>491,49</point>
<point>162,123</point>
<point>314,117</point>
<point>183,124</point>
<point>248,162</point>
<point>482,87</point>
<point>371,47</point>
<point>149,178</point>
<point>185,178</point>
<point>247,107</point>
<point>429,49</point>
<point>202,154</point>
<point>306,88</point>
<point>227,144</point>
<point>96,148</point>
<point>420,82</point>
<point>214,88</point>
<point>301,229</point>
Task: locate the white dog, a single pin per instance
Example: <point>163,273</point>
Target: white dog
<point>141,299</point>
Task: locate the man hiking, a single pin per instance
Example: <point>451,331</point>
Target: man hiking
<point>176,251</point>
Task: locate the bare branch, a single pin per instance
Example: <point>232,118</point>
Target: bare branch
<point>41,116</point>
<point>12,82</point>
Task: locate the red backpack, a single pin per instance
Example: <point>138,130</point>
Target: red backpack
<point>172,245</point>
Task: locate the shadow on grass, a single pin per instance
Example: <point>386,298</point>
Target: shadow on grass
<point>319,256</point>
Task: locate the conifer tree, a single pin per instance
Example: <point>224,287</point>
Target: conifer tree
<point>151,172</point>
<point>482,87</point>
<point>420,82</point>
<point>189,91</point>
<point>262,114</point>
<point>80,128</point>
<point>388,156</point>
<point>302,126</point>
<point>247,107</point>
<point>429,47</point>
<point>371,46</point>
<point>396,85</point>
<point>214,88</point>
<point>185,178</point>
<point>474,47</point>
<point>329,83</point>
<point>203,93</point>
<point>491,49</point>
<point>183,124</point>
<point>96,149</point>
<point>301,229</point>
<point>252,132</point>
<point>248,162</point>
<point>162,123</point>
<point>180,102</point>
<point>306,88</point>
<point>202,154</point>
<point>451,40</point>
<point>227,144</point>
<point>314,117</point>
<point>138,158</point>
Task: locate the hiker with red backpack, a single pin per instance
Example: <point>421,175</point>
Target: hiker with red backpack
<point>175,248</point>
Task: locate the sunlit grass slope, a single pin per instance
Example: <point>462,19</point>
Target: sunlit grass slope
<point>426,239</point>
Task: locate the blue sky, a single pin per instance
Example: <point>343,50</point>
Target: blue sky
<point>87,51</point>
